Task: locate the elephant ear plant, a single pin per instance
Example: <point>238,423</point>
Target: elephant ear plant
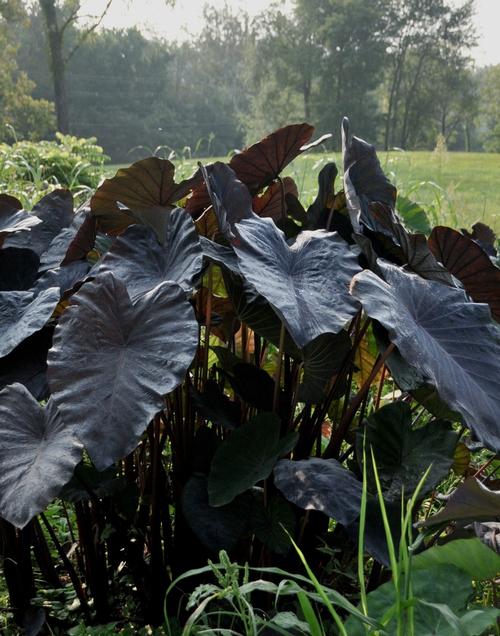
<point>193,367</point>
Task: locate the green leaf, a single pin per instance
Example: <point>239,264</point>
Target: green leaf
<point>271,522</point>
<point>413,215</point>
<point>246,457</point>
<point>437,605</point>
<point>469,555</point>
<point>404,453</point>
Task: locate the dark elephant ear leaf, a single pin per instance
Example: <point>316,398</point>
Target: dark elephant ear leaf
<point>145,193</point>
<point>364,179</point>
<point>273,202</point>
<point>230,198</point>
<point>320,484</point>
<point>13,219</point>
<point>263,162</point>
<point>484,236</point>
<point>113,361</point>
<point>38,454</point>
<point>471,501</point>
<point>22,314</point>
<point>468,262</point>
<point>446,337</point>
<point>55,210</point>
<point>306,284</point>
<point>403,453</point>
<point>142,263</point>
<point>217,528</point>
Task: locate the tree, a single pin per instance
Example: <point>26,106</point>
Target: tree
<point>57,20</point>
<point>424,39</point>
<point>22,116</point>
<point>490,107</point>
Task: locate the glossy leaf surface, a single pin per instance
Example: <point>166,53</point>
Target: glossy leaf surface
<point>141,262</point>
<point>451,341</point>
<point>320,484</point>
<point>38,454</point>
<point>306,284</point>
<point>112,361</point>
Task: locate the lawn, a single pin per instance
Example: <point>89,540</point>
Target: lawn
<point>455,188</point>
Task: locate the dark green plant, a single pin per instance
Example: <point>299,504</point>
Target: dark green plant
<point>198,378</point>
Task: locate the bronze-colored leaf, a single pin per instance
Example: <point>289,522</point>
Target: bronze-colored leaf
<point>273,202</point>
<point>466,260</point>
<point>143,193</point>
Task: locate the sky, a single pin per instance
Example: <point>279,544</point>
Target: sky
<point>156,18</point>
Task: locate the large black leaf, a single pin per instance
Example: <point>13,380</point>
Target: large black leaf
<point>364,179</point>
<point>217,528</point>
<point>18,268</point>
<point>112,361</point>
<point>64,277</point>
<point>56,212</point>
<point>22,314</point>
<point>138,259</point>
<point>320,484</point>
<point>318,211</point>
<point>307,283</point>
<point>403,453</point>
<point>38,454</point>
<point>449,339</point>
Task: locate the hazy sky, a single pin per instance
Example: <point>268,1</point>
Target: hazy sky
<point>155,17</point>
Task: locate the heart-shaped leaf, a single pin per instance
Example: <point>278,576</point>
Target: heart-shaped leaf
<point>364,179</point>
<point>446,337</point>
<point>306,284</point>
<point>217,528</point>
<point>55,210</point>
<point>320,484</point>
<point>112,361</point>
<point>22,314</point>
<point>258,165</point>
<point>322,358</point>
<point>143,193</point>
<point>403,453</point>
<point>142,263</point>
<point>13,219</point>
<point>271,522</point>
<point>38,454</point>
<point>263,162</point>
<point>466,260</point>
<point>246,457</point>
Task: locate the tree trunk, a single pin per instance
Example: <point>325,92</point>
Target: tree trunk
<point>57,64</point>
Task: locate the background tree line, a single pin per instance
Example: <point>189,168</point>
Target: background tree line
<point>401,70</point>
